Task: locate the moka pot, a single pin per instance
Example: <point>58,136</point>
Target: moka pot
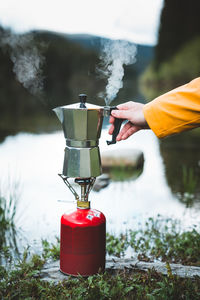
<point>82,124</point>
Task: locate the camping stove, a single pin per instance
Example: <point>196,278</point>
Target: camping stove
<point>83,232</point>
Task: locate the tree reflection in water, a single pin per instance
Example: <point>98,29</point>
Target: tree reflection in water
<point>9,234</point>
<point>181,157</point>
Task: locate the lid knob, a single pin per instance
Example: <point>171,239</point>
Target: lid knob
<point>82,98</point>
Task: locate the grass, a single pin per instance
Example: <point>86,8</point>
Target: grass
<point>51,250</point>
<point>25,282</point>
<point>7,212</point>
<point>163,239</point>
<point>116,246</point>
<point>160,239</point>
<point>8,208</point>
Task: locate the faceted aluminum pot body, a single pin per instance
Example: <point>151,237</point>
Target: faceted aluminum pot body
<point>82,162</point>
<point>82,124</point>
<point>82,130</point>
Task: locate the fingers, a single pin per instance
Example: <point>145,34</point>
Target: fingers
<point>123,130</point>
<point>122,114</point>
<point>129,132</point>
<point>127,111</point>
<point>126,105</point>
<point>111,129</point>
<point>112,119</point>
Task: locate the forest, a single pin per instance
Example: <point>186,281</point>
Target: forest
<point>177,53</point>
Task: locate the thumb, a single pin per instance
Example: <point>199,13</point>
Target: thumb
<point>121,114</point>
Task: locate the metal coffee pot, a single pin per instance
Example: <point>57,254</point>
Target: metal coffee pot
<point>82,124</point>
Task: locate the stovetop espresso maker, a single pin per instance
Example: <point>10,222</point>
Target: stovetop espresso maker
<point>82,124</point>
<point>83,232</point>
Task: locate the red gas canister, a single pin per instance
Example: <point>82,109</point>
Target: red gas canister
<point>82,245</point>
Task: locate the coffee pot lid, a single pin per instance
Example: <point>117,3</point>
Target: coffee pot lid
<point>82,104</point>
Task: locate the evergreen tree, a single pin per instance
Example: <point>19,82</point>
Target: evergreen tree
<point>179,23</point>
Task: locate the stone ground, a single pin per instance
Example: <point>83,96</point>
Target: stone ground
<point>51,271</point>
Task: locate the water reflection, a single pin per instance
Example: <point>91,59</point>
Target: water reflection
<point>181,157</point>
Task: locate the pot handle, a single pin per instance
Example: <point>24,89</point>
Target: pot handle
<point>117,125</point>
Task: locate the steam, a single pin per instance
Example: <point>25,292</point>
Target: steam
<point>27,61</point>
<point>115,54</point>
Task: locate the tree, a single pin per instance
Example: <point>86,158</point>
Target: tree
<point>179,23</point>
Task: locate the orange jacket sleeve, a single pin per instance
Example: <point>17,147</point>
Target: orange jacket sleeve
<point>175,111</point>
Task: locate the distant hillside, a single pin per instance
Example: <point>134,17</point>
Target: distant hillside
<point>144,53</point>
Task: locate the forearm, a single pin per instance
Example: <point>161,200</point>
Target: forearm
<point>175,111</point>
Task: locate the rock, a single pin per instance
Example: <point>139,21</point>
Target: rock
<point>50,271</point>
<point>160,267</point>
<point>132,158</point>
<point>122,164</point>
<point>101,182</point>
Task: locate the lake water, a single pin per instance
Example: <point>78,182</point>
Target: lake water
<point>35,160</point>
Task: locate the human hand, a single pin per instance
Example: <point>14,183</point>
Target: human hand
<point>133,112</point>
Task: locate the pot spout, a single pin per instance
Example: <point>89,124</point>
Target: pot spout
<point>59,113</point>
